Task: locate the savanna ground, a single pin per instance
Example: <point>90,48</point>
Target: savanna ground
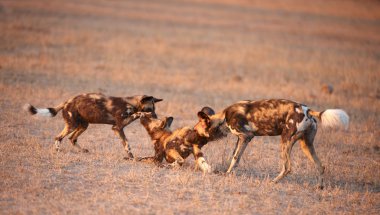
<point>191,54</point>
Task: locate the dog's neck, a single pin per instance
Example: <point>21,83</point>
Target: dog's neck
<point>193,137</point>
<point>159,134</point>
<point>133,100</point>
<point>219,116</point>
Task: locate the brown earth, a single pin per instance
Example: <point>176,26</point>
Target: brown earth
<point>191,54</point>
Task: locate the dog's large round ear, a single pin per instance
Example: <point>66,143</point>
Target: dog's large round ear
<point>150,98</point>
<point>203,117</point>
<point>167,122</point>
<point>207,110</point>
<point>155,100</point>
<point>146,99</point>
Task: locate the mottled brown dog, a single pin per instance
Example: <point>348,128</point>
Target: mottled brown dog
<point>292,120</point>
<point>84,109</point>
<point>176,146</point>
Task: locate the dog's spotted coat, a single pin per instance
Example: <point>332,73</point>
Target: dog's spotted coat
<point>176,146</point>
<point>96,108</point>
<point>292,120</point>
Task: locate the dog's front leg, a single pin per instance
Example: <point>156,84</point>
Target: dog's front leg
<point>128,120</point>
<point>159,153</point>
<point>239,150</point>
<point>120,133</point>
<point>200,160</point>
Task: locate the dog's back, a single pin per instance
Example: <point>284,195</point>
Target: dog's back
<point>265,117</point>
<point>274,116</point>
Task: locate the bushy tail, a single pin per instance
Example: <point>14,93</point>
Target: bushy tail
<point>50,112</point>
<point>331,118</point>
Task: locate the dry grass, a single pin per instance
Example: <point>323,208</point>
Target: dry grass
<point>190,54</point>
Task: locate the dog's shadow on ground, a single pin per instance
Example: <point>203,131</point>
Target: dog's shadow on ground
<point>294,178</point>
<point>300,179</point>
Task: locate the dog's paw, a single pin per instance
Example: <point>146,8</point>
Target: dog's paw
<point>319,187</point>
<point>206,168</point>
<point>219,172</point>
<point>160,165</point>
<point>129,157</point>
<point>203,165</point>
<point>175,165</point>
<point>138,159</point>
<point>273,182</point>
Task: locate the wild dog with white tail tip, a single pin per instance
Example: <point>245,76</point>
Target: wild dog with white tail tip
<point>292,120</point>
<point>96,108</point>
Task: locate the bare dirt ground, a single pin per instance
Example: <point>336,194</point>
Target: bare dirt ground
<point>191,54</point>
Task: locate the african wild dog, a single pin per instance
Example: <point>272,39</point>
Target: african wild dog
<point>292,120</point>
<point>176,146</point>
<point>84,109</point>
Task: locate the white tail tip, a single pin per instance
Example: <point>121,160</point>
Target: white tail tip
<point>37,111</point>
<point>332,118</point>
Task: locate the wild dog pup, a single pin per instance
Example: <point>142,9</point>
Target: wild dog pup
<point>84,109</point>
<point>292,120</point>
<point>176,146</point>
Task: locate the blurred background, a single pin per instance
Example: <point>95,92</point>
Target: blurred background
<point>194,52</point>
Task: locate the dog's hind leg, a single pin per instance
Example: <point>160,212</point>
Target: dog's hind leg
<point>63,134</point>
<point>308,149</point>
<point>74,136</point>
<point>174,157</point>
<point>158,156</point>
<point>157,159</point>
<point>150,159</point>
<point>71,125</point>
<point>286,149</point>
